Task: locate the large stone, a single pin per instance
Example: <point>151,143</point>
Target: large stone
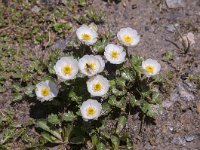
<point>190,138</point>
<point>175,3</point>
<point>179,141</point>
<point>185,94</point>
<point>171,27</point>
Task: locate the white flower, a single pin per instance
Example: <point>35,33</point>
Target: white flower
<point>87,34</point>
<point>66,68</point>
<point>151,67</point>
<point>115,54</point>
<point>128,36</point>
<point>90,109</point>
<point>46,91</point>
<point>98,85</point>
<point>91,65</point>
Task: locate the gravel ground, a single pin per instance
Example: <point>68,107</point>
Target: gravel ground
<point>178,126</point>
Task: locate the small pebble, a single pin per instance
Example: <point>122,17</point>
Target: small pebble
<point>198,108</point>
<point>188,38</point>
<point>189,138</point>
<point>171,27</point>
<point>185,94</point>
<point>35,9</point>
<point>167,104</point>
<point>179,141</point>
<point>175,3</point>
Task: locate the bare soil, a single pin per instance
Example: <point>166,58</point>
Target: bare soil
<point>179,125</point>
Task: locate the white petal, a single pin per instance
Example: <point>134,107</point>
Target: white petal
<point>53,88</point>
<point>90,103</point>
<point>47,84</point>
<point>87,30</point>
<point>108,51</point>
<point>131,32</point>
<point>62,63</point>
<point>102,63</point>
<point>87,59</point>
<point>98,79</point>
<point>151,62</point>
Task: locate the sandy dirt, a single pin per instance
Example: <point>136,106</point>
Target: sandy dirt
<point>179,125</point>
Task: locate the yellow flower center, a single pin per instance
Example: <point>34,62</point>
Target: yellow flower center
<point>67,70</point>
<point>149,69</point>
<point>128,39</point>
<point>90,111</point>
<point>89,67</point>
<point>86,36</point>
<point>97,87</point>
<point>115,54</point>
<point>45,91</point>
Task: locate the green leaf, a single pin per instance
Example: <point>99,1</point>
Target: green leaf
<point>121,123</point>
<point>120,104</point>
<point>150,110</point>
<point>112,100</point>
<point>136,62</point>
<point>155,98</point>
<point>18,75</point>
<point>129,144</point>
<point>48,137</point>
<point>77,140</point>
<point>112,83</point>
<point>94,140</point>
<point>168,56</point>
<point>128,74</point>
<point>146,92</point>
<point>17,97</point>
<point>67,131</point>
<point>51,69</point>
<point>69,116</point>
<point>82,2</point>
<point>19,133</point>
<point>105,134</point>
<point>106,108</point>
<point>133,101</point>
<point>100,45</point>
<point>29,90</point>
<point>27,76</point>
<point>74,97</point>
<point>100,146</point>
<point>16,87</point>
<point>154,110</point>
<point>7,135</point>
<point>145,107</point>
<point>117,92</point>
<point>61,27</point>
<point>43,125</point>
<point>2,89</point>
<point>158,79</point>
<point>53,119</point>
<point>115,141</point>
<point>121,82</point>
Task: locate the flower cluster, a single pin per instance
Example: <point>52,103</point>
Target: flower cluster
<point>67,68</point>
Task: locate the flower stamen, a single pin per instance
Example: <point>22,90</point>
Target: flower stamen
<point>90,111</point>
<point>86,36</point>
<point>115,54</point>
<point>128,39</point>
<point>150,69</point>
<point>97,87</point>
<point>67,70</point>
<point>45,91</point>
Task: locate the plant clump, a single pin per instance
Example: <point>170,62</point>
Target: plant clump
<point>97,86</point>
